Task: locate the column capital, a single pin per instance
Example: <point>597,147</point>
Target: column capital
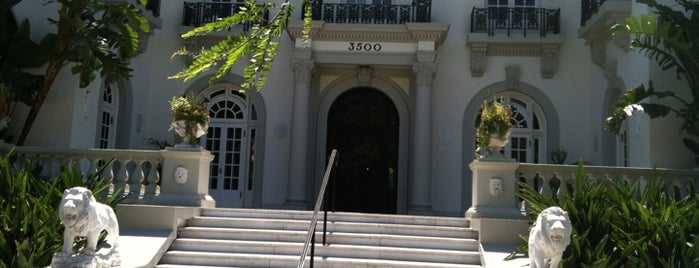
<point>424,72</point>
<point>303,70</point>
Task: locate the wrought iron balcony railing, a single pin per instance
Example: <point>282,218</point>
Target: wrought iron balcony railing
<point>517,19</point>
<point>199,13</point>
<point>418,11</point>
<point>588,8</point>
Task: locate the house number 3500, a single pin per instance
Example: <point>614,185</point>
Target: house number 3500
<point>364,47</point>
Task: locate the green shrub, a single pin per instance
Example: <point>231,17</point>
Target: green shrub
<point>31,231</point>
<point>617,224</point>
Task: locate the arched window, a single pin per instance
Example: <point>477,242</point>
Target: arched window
<point>528,141</point>
<point>108,110</point>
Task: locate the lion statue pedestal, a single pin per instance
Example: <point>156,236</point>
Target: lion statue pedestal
<point>83,216</point>
<point>549,237</point>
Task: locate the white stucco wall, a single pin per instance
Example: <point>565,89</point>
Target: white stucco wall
<point>576,91</point>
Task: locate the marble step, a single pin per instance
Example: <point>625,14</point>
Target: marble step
<point>274,238</point>
<point>336,216</point>
<point>332,237</point>
<point>356,227</point>
<point>216,259</point>
<point>330,250</point>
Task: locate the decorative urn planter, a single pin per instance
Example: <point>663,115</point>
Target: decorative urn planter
<point>191,119</point>
<point>494,129</point>
<point>496,143</point>
<point>189,138</point>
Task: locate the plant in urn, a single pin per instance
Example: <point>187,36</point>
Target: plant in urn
<point>494,129</point>
<point>191,119</point>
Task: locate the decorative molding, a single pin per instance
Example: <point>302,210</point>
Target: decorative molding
<point>409,32</point>
<point>303,70</point>
<point>614,81</point>
<point>512,75</point>
<point>364,75</point>
<point>598,50</point>
<point>596,29</point>
<point>545,47</point>
<point>549,61</point>
<point>424,73</point>
<point>478,59</point>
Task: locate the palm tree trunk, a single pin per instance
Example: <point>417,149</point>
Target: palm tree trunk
<point>50,75</point>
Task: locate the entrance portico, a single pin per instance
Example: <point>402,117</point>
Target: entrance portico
<point>396,61</point>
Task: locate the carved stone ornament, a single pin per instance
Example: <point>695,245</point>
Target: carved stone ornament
<point>424,73</point>
<point>83,216</point>
<point>303,70</point>
<point>614,81</point>
<point>512,75</point>
<point>598,50</point>
<point>549,61</point>
<point>496,186</point>
<point>478,59</point>
<point>549,237</point>
<point>180,175</point>
<point>364,75</point>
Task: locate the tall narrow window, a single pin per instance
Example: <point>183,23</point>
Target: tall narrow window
<point>107,113</point>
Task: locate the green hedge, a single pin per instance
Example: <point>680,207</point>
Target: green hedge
<point>31,231</point>
<point>617,224</point>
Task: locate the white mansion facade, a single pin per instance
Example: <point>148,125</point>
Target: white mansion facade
<point>394,85</point>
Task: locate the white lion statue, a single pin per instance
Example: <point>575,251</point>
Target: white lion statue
<point>549,237</point>
<point>82,215</point>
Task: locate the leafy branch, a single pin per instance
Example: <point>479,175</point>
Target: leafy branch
<point>259,43</point>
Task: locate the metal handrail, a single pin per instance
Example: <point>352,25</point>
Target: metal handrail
<point>310,237</point>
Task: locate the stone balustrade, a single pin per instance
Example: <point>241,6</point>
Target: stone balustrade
<point>500,217</point>
<point>137,172</point>
<point>548,179</point>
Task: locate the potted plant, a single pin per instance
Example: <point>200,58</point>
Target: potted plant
<point>495,128</point>
<point>191,118</point>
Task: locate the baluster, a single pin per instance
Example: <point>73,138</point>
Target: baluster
<point>642,184</point>
<point>58,163</point>
<point>677,188</point>
<point>520,201</point>
<point>122,177</point>
<point>537,182</point>
<point>137,179</point>
<point>108,174</point>
<point>94,166</point>
<point>555,186</point>
<point>43,162</point>
<point>153,178</point>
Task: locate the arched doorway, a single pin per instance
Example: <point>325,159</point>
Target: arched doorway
<point>363,124</point>
<point>231,138</point>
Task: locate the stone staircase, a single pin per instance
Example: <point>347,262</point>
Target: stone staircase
<point>274,238</point>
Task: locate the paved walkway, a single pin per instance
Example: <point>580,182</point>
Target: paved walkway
<point>138,246</point>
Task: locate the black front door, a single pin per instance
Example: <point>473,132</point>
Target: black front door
<point>363,127</point>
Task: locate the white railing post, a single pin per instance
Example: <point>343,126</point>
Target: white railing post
<point>185,177</point>
<point>493,210</point>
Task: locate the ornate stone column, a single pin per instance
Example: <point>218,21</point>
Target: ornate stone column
<point>420,201</point>
<point>298,158</point>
